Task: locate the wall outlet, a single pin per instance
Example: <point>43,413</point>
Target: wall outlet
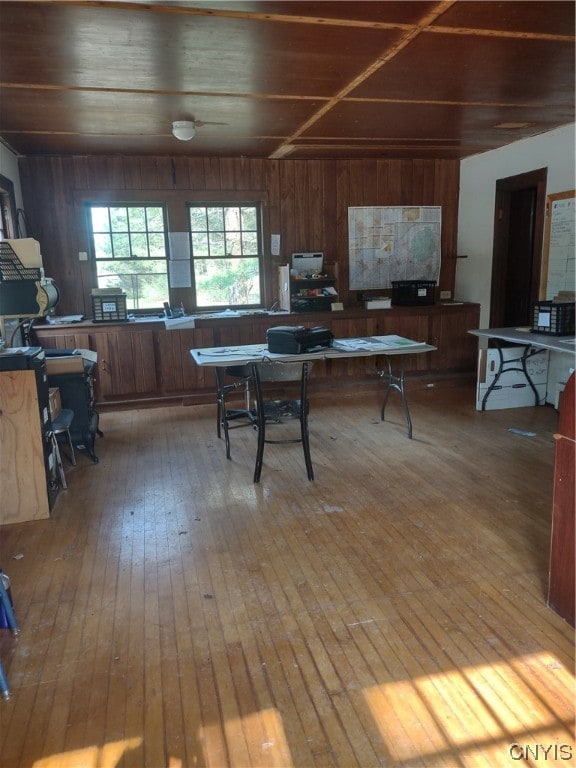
<point>445,294</point>
<point>82,256</point>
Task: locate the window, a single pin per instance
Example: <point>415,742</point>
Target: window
<point>7,209</point>
<point>130,251</point>
<point>225,246</point>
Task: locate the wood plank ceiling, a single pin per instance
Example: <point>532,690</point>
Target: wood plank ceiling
<point>283,79</point>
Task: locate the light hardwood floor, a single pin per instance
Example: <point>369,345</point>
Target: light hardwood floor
<point>392,613</point>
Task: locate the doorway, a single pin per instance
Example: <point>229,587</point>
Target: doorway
<point>517,254</point>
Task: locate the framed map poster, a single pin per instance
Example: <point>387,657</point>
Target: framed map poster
<point>389,243</point>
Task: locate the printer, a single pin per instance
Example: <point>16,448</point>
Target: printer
<point>295,340</point>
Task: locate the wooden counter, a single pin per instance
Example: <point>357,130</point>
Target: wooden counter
<point>142,363</point>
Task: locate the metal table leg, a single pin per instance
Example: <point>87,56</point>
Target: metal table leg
<point>395,381</point>
<point>506,366</point>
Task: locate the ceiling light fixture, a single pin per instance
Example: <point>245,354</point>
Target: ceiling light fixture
<point>184,130</point>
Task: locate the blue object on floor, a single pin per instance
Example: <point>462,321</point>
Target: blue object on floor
<point>12,624</point>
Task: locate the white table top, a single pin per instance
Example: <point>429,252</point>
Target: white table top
<point>359,347</point>
<point>525,336</point>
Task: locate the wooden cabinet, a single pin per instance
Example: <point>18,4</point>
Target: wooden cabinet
<point>561,591</point>
<point>23,473</point>
<point>126,362</point>
<point>457,349</point>
<point>145,363</point>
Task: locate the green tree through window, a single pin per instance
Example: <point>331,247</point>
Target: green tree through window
<point>130,251</point>
<point>225,244</point>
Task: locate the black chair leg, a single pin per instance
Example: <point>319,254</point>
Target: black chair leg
<point>304,422</point>
<point>260,425</point>
<point>223,414</point>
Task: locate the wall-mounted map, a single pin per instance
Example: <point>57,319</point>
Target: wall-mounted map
<point>393,243</point>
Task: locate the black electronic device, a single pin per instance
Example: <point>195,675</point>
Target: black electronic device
<point>296,340</point>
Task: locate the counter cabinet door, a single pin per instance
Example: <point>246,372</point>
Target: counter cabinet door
<point>126,363</point>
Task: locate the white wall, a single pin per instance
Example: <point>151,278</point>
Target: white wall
<point>555,151</point>
<point>9,168</point>
<point>478,176</point>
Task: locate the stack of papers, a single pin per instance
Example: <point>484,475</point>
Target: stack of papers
<point>376,343</point>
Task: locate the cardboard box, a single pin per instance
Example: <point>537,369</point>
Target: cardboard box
<point>70,363</point>
<point>512,390</point>
<point>54,402</point>
<point>65,364</point>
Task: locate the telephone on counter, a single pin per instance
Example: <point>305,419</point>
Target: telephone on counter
<point>173,311</point>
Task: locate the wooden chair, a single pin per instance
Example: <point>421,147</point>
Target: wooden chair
<point>278,411</point>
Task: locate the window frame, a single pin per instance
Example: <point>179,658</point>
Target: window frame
<point>121,202</point>
<point>8,212</point>
<point>258,207</point>
<point>175,202</point>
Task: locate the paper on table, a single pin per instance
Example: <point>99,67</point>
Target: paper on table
<point>376,343</point>
<point>397,341</point>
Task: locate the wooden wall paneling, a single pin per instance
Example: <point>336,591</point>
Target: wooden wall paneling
<point>132,173</point>
<point>409,195</point>
<point>180,173</point>
<point>165,173</point>
<point>301,207</point>
<point>272,184</point>
<point>382,173</point>
<point>349,328</point>
<point>363,182</point>
<point>393,191</point>
<point>142,362</point>
<point>342,201</point>
<point>288,230</point>
<point>258,173</point>
<point>427,181</point>
<point>229,178</point>
<point>175,369</point>
<point>98,173</point>
<point>212,173</point>
<point>196,173</point>
<point>412,325</point>
<point>193,376</point>
<point>105,378</point>
<point>67,340</point>
<point>116,173</point>
<point>74,276</point>
<point>418,182</point>
<point>307,201</point>
<point>369,175</point>
<point>36,183</point>
<point>149,170</point>
<point>126,363</point>
<point>169,355</point>
<point>328,213</point>
<point>457,349</point>
<point>316,217</point>
<point>79,177</point>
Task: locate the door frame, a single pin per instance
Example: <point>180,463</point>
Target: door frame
<point>504,189</point>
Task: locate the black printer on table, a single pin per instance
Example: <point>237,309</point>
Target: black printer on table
<point>296,340</point>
